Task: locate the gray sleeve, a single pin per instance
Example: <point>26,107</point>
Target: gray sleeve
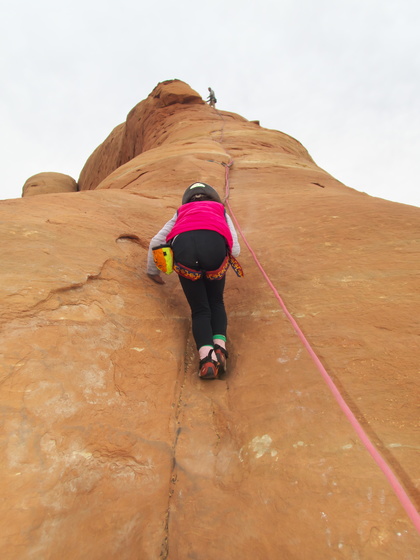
<point>236,249</point>
<point>158,239</point>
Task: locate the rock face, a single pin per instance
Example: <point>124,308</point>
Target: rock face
<point>146,127</point>
<point>113,448</point>
<point>49,183</point>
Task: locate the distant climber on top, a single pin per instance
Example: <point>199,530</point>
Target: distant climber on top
<point>211,98</point>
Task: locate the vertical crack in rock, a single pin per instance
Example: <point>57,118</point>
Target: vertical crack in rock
<point>173,478</point>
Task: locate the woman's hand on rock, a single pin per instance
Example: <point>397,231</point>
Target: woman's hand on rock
<point>156,278</point>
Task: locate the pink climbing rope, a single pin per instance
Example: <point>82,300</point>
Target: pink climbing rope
<point>383,465</point>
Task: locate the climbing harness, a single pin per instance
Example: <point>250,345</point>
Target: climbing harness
<point>193,274</point>
<point>186,272</point>
<point>380,461</point>
<point>234,263</point>
<point>219,272</point>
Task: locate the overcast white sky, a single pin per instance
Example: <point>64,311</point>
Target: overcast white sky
<point>341,76</point>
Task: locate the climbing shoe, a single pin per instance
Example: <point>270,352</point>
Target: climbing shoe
<point>222,355</point>
<point>209,368</point>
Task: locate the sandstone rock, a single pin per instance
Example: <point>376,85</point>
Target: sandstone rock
<point>137,134</point>
<point>105,159</point>
<point>49,183</point>
<point>112,448</point>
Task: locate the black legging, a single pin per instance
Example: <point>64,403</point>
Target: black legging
<point>203,250</point>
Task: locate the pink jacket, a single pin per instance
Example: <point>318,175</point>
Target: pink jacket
<point>202,215</point>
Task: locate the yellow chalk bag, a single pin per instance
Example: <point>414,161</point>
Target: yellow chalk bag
<point>164,258</point>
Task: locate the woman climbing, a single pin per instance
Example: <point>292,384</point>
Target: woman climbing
<point>204,242</point>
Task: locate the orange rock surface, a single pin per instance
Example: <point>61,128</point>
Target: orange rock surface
<point>111,445</point>
<point>48,183</point>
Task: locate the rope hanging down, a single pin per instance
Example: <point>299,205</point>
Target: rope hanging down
<point>383,465</point>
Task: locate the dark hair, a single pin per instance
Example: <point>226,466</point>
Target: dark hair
<point>198,196</point>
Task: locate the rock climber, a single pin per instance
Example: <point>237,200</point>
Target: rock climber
<point>204,242</point>
<point>211,98</point>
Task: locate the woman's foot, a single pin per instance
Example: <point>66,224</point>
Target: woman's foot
<point>208,368</point>
<point>222,355</point>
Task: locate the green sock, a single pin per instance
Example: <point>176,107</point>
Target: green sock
<point>220,340</point>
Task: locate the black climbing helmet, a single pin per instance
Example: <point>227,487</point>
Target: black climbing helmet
<point>200,191</point>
